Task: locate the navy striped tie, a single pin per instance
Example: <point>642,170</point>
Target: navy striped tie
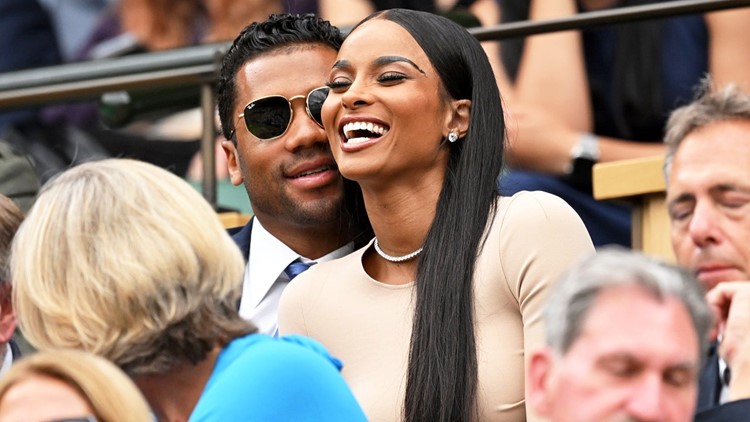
<point>296,268</point>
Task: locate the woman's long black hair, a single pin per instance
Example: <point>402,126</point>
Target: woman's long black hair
<point>442,375</point>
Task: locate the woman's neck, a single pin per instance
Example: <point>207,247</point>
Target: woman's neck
<point>173,395</point>
<point>400,216</point>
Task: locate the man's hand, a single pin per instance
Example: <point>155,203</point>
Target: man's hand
<point>731,304</point>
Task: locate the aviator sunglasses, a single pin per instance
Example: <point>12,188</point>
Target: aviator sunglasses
<point>268,118</point>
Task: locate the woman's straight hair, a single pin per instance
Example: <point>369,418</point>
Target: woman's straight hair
<point>442,375</point>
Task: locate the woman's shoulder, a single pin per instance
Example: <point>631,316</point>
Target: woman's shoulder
<point>537,236</point>
<point>526,202</point>
<point>534,214</point>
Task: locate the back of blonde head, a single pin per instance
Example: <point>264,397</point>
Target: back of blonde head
<point>126,260</point>
<point>109,392</point>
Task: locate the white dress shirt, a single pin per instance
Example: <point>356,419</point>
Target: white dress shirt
<point>724,395</point>
<point>265,278</point>
<point>7,360</point>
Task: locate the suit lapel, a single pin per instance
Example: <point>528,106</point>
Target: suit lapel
<point>709,383</point>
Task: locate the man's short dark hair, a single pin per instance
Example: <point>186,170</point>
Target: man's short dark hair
<point>278,32</point>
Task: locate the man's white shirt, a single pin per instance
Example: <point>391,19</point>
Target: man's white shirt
<point>7,360</point>
<point>265,280</point>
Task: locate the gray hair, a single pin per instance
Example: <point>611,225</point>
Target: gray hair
<point>575,293</point>
<point>729,103</point>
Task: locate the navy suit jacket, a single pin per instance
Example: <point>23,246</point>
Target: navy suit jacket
<point>709,391</point>
<point>14,350</point>
<point>241,236</point>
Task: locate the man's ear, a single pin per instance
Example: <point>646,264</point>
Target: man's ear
<point>233,163</point>
<point>458,118</point>
<point>7,316</point>
<point>538,378</point>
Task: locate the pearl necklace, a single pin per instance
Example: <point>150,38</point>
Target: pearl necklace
<point>396,259</point>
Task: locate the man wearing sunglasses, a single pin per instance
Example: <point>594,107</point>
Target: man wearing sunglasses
<point>270,95</point>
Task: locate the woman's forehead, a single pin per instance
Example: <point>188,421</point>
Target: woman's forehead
<point>381,37</point>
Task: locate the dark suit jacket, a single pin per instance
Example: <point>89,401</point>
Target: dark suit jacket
<point>709,391</point>
<point>241,236</point>
<point>14,350</point>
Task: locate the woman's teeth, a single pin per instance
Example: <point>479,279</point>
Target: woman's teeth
<point>358,132</point>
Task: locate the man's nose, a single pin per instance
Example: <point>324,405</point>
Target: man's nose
<point>703,226</point>
<point>647,399</point>
<point>303,131</point>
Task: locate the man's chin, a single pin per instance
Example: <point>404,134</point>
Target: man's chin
<point>710,278</point>
<point>318,211</point>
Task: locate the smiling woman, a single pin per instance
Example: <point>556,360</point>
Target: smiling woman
<point>435,317</point>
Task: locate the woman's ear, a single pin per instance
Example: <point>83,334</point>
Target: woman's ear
<point>458,118</point>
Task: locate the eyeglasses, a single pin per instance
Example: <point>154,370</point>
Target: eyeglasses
<point>268,118</point>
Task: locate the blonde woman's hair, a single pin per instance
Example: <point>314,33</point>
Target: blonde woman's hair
<point>126,260</point>
<point>108,391</point>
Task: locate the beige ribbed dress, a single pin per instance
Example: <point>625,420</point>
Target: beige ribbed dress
<point>534,237</point>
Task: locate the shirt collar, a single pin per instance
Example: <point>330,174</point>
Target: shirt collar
<point>269,257</point>
<point>7,360</point>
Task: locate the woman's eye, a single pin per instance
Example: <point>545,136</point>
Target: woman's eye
<point>391,77</point>
<point>338,84</point>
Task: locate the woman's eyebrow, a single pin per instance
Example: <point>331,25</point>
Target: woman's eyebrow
<point>342,64</point>
<point>380,61</point>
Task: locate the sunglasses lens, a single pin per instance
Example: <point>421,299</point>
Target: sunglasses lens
<point>315,101</point>
<point>268,117</point>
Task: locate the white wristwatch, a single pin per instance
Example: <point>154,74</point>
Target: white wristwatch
<point>587,149</point>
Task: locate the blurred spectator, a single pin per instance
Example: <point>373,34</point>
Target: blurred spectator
<point>74,21</point>
<point>10,220</point>
<point>137,26</point>
<point>27,40</point>
<point>626,336</point>
<point>143,273</point>
<point>164,24</point>
<point>69,385</point>
<point>467,13</point>
<point>604,95</point>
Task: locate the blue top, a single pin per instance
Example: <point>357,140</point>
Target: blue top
<point>259,378</point>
